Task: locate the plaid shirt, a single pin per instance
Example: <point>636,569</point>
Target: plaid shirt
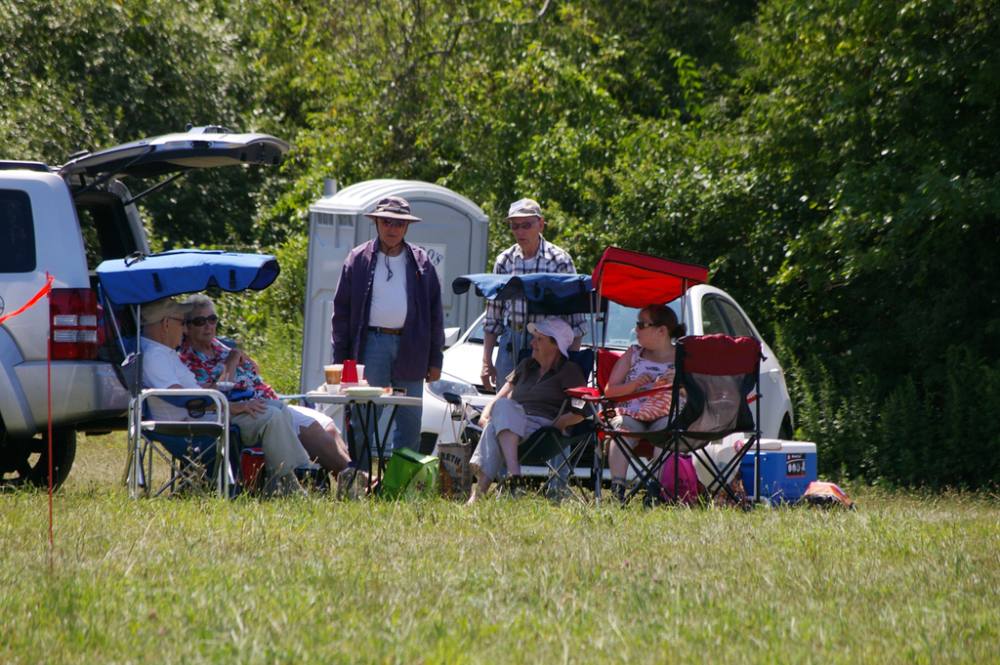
<point>548,258</point>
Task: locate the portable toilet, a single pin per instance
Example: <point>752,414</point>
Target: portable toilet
<point>454,233</point>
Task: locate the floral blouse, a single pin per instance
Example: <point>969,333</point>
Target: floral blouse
<point>208,370</point>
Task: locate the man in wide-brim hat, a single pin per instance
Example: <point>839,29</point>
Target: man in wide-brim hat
<point>387,313</point>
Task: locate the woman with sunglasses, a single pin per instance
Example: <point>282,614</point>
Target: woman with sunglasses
<point>645,364</point>
<point>212,361</point>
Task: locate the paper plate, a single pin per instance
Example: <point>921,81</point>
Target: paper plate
<point>363,391</point>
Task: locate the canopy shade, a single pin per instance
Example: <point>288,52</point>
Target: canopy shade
<point>636,280</point>
<point>137,280</point>
<point>546,293</point>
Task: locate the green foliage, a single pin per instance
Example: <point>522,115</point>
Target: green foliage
<point>945,437</point>
<point>870,125</point>
<point>113,72</point>
<point>495,101</point>
<point>268,324</point>
<point>832,162</point>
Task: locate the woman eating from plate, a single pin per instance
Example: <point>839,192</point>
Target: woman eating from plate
<point>212,361</point>
<point>645,365</point>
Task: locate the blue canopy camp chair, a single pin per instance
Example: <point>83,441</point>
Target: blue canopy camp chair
<point>125,285</point>
<point>552,294</point>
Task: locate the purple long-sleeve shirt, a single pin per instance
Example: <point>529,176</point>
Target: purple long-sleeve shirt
<point>423,332</point>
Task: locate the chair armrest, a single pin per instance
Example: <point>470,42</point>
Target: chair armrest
<point>241,395</point>
<point>183,397</point>
<point>640,393</point>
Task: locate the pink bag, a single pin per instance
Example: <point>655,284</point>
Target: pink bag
<point>687,479</point>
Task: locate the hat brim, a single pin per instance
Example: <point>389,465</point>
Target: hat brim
<point>533,329</point>
<point>392,215</point>
<point>522,215</point>
<point>182,308</point>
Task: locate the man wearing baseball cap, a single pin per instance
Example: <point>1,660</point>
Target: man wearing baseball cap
<point>267,421</point>
<point>388,316</point>
<point>507,320</point>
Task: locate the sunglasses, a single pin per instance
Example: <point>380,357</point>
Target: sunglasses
<point>199,321</point>
<point>514,226</point>
<point>394,223</point>
<point>639,325</point>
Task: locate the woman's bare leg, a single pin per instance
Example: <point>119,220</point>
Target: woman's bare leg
<point>508,444</point>
<point>480,489</point>
<point>326,446</point>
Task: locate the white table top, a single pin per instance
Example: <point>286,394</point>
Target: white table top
<point>322,397</point>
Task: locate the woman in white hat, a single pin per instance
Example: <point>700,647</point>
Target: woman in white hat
<point>531,399</point>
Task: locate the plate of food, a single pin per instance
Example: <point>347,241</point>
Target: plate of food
<point>363,391</point>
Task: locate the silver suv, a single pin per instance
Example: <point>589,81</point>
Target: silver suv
<point>61,222</point>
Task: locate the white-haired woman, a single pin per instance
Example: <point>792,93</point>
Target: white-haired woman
<point>212,361</point>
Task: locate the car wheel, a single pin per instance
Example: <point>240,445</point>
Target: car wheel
<point>785,432</point>
<point>25,462</point>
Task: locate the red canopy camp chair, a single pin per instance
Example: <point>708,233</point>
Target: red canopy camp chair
<point>719,375</point>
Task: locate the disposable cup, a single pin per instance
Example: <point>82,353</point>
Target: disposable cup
<point>333,372</point>
<point>361,373</point>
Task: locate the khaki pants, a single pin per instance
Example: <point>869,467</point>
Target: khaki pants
<point>506,414</point>
<point>276,432</point>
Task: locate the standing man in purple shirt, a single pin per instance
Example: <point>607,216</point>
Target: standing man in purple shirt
<point>387,314</point>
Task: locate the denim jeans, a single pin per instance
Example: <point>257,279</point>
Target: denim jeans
<point>510,345</point>
<point>379,357</point>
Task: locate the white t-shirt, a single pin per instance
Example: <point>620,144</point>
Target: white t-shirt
<point>162,367</point>
<point>389,295</point>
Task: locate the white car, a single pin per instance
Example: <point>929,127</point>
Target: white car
<point>705,310</point>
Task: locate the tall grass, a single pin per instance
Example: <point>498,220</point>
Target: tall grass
<point>907,578</point>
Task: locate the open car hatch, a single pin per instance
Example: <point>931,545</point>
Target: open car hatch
<point>199,147</point>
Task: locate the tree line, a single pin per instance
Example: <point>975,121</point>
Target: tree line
<point>832,162</point>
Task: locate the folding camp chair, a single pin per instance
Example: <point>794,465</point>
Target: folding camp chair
<point>125,286</point>
<point>561,454</point>
<point>188,447</point>
<point>548,449</point>
<point>719,376</point>
<point>633,279</point>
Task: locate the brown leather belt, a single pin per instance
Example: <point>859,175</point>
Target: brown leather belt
<point>386,331</point>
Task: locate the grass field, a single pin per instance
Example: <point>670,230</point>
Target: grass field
<point>906,579</point>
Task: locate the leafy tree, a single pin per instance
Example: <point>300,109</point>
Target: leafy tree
<point>89,74</point>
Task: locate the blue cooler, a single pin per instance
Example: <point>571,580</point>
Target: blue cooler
<point>786,469</point>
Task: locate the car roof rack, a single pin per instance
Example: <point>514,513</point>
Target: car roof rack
<point>14,165</point>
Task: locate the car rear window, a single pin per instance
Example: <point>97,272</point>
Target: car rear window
<point>17,232</point>
<point>105,229</point>
<point>739,324</point>
<point>712,321</point>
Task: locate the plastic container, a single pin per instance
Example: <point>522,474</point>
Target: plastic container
<point>786,469</point>
<point>351,483</point>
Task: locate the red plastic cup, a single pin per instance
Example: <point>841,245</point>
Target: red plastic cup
<point>350,374</point>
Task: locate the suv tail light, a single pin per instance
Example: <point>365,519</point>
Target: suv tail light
<point>74,324</point>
